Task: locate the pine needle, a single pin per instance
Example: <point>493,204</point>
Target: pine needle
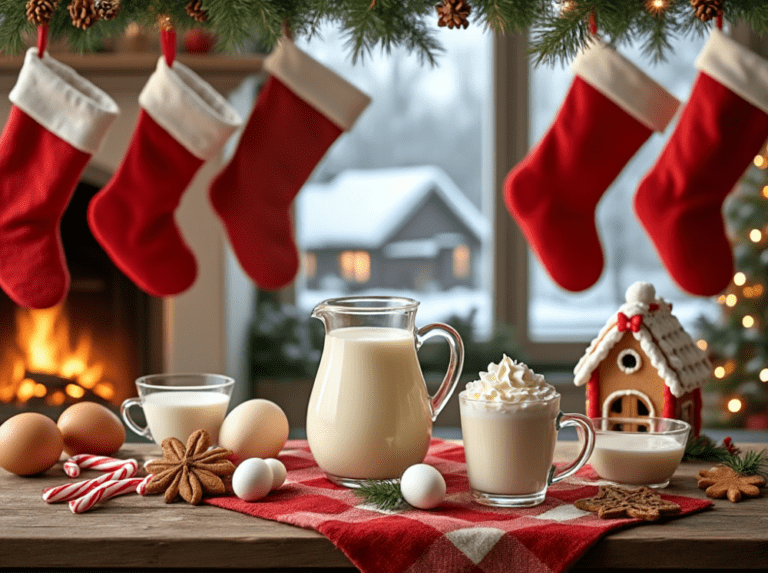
<point>702,447</point>
<point>384,495</point>
<point>752,463</point>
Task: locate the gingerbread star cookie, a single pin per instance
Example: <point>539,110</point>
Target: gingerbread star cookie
<point>722,481</point>
<point>191,471</point>
<point>612,501</point>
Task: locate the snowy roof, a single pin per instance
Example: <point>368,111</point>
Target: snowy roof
<point>362,208</point>
<point>679,362</point>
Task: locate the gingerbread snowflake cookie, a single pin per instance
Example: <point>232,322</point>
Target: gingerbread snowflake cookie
<point>190,472</point>
<point>722,481</point>
<point>612,501</point>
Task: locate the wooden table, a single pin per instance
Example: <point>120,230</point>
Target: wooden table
<point>134,532</point>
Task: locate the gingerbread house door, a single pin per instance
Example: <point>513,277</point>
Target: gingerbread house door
<point>628,404</point>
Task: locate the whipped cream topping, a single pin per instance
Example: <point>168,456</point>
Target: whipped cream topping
<point>510,382</point>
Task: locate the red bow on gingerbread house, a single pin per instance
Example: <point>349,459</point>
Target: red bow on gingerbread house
<point>623,322</point>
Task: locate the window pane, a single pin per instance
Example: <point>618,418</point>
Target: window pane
<point>401,204</point>
<point>555,314</point>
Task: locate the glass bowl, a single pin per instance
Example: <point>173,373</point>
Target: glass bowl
<point>638,451</point>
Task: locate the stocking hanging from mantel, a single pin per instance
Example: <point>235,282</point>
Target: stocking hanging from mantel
<point>183,122</point>
<point>58,120</point>
<point>300,112</point>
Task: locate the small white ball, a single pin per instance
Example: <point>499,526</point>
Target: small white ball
<point>641,292</point>
<point>278,472</point>
<point>252,479</point>
<point>422,486</point>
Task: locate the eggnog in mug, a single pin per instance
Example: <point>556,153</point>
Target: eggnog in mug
<point>369,415</point>
<point>178,414</point>
<point>509,423</point>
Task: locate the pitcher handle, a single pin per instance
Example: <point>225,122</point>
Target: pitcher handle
<point>588,431</point>
<point>455,364</point>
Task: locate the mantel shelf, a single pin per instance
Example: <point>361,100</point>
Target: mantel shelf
<point>143,63</point>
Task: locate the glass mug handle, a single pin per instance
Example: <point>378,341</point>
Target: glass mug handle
<point>455,364</point>
<point>580,421</point>
<point>124,412</point>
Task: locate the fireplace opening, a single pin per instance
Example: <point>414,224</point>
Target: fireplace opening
<point>92,346</point>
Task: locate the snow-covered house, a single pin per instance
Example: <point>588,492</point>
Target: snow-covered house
<point>643,363</point>
<point>404,228</point>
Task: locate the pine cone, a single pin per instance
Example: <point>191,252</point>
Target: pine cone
<point>107,9</point>
<point>705,10</point>
<point>196,11</point>
<point>41,11</point>
<point>83,13</point>
<point>453,13</point>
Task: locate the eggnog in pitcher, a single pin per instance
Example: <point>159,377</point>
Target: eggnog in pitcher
<point>369,415</point>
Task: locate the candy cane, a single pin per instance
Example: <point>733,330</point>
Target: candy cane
<point>106,490</point>
<point>141,489</point>
<point>79,462</point>
<point>71,491</point>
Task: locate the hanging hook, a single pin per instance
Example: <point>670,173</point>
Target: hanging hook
<point>593,23</point>
<point>168,39</point>
<point>42,39</point>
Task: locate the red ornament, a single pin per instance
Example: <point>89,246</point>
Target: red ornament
<point>757,422</point>
<point>198,41</point>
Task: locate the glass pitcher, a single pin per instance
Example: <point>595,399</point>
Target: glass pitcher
<point>370,416</point>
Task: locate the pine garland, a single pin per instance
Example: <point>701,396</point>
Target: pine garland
<point>558,28</point>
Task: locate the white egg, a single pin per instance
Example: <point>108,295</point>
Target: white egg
<point>422,486</point>
<point>278,472</point>
<point>252,479</point>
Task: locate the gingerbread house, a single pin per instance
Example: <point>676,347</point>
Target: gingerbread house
<point>644,364</point>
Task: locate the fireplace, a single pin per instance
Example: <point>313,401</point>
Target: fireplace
<point>201,330</point>
<point>90,347</point>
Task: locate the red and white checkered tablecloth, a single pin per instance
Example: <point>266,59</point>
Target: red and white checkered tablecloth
<point>458,536</point>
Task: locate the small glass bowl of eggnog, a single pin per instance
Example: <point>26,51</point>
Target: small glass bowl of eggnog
<point>638,451</point>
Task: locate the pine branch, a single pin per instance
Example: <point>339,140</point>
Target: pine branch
<point>752,463</point>
<point>385,495</point>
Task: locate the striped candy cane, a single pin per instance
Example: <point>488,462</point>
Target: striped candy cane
<point>141,489</point>
<point>79,462</point>
<point>71,491</point>
<point>104,491</point>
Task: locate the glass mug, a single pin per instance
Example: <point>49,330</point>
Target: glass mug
<point>510,447</point>
<point>175,405</point>
<point>369,416</point>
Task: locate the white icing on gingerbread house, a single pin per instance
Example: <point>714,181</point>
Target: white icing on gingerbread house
<point>643,363</point>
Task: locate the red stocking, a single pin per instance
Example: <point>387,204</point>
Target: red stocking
<point>57,122</point>
<point>723,126</point>
<point>182,123</point>
<point>300,112</point>
<point>612,108</point>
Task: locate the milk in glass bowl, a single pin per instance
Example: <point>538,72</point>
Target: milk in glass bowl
<point>638,451</point>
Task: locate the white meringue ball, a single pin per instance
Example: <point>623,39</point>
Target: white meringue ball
<point>252,479</point>
<point>279,472</point>
<point>422,486</point>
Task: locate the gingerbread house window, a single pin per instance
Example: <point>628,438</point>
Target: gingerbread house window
<point>629,361</point>
<point>628,404</point>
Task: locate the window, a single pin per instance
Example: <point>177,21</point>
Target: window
<point>355,266</point>
<point>401,205</point>
<point>461,261</point>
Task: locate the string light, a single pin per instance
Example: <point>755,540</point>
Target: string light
<point>731,300</point>
<point>759,161</point>
<point>702,344</point>
<point>764,375</point>
<point>748,321</point>
<point>721,299</point>
<point>734,405</point>
<point>719,372</point>
<point>755,235</point>
<point>765,191</point>
<point>567,6</point>
<point>656,7</point>
<point>739,278</point>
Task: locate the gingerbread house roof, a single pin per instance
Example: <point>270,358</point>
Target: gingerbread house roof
<point>679,362</point>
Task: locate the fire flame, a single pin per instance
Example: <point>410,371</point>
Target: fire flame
<point>43,347</point>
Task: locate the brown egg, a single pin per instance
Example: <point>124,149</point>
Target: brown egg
<point>90,428</point>
<point>30,443</point>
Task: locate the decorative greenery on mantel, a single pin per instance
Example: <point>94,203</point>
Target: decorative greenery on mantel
<point>558,27</point>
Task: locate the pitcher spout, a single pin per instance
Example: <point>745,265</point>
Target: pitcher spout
<point>320,312</point>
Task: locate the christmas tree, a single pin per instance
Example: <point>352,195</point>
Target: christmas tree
<point>738,340</point>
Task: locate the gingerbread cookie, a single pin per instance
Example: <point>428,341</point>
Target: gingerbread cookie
<point>722,481</point>
<point>612,501</point>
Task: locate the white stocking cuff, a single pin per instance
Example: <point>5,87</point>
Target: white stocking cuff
<point>189,109</point>
<point>320,87</point>
<point>736,67</point>
<point>63,102</point>
<point>626,85</point>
